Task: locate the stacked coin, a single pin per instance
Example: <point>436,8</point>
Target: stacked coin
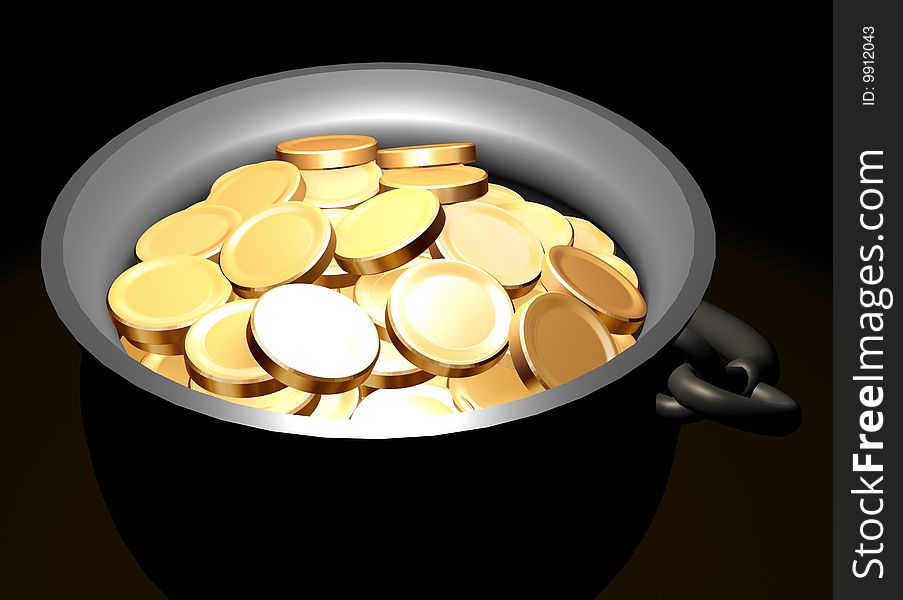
<point>345,281</point>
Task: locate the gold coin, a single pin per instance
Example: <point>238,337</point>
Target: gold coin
<point>284,244</point>
<point>499,194</point>
<point>623,342</point>
<point>256,187</point>
<point>392,370</point>
<point>449,318</point>
<point>335,276</point>
<point>455,183</point>
<point>437,381</point>
<point>172,366</point>
<point>197,232</point>
<point>153,303</point>
<point>546,223</point>
<point>226,175</point>
<point>556,338</point>
<point>494,240</point>
<point>218,357</point>
<point>498,385</point>
<point>427,155</point>
<point>395,406</point>
<point>342,188</point>
<point>327,151</point>
<point>371,292</point>
<point>347,291</point>
<point>388,230</point>
<point>621,267</point>
<point>590,238</point>
<point>597,284</point>
<point>286,400</point>
<point>337,406</point>
<point>538,289</point>
<point>134,351</point>
<point>313,339</point>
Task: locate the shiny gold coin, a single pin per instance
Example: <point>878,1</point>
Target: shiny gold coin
<point>285,401</point>
<point>313,339</point>
<point>371,292</point>
<point>449,318</point>
<point>387,231</point>
<point>623,342</point>
<point>226,176</point>
<point>556,338</point>
<point>427,155</point>
<point>494,240</point>
<point>538,289</point>
<point>347,291</point>
<point>153,303</point>
<point>284,244</point>
<point>395,406</point>
<point>218,357</point>
<point>200,231</point>
<point>172,367</point>
<point>392,370</point>
<point>337,406</point>
<point>450,184</point>
<point>134,351</point>
<point>327,151</point>
<point>256,187</point>
<point>546,223</point>
<point>499,194</point>
<point>590,238</point>
<point>621,267</point>
<point>597,284</point>
<point>498,385</point>
<point>335,276</point>
<point>342,188</point>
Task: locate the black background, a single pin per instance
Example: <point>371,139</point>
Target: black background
<point>741,98</point>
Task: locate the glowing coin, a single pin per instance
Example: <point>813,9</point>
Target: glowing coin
<point>449,318</point>
<point>335,276</point>
<point>153,303</point>
<point>556,338</point>
<point>342,188</point>
<point>284,244</point>
<point>327,151</point>
<point>392,370</point>
<point>218,357</point>
<point>450,184</point>
<point>199,231</point>
<point>394,406</point>
<point>313,339</point>
<point>590,238</point>
<point>427,155</point>
<point>371,292</point>
<point>597,284</point>
<point>256,187</point>
<point>546,223</point>
<point>494,240</point>
<point>387,231</point>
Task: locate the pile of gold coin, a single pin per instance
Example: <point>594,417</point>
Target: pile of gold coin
<point>342,281</point>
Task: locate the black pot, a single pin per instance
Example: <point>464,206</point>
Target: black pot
<point>544,497</point>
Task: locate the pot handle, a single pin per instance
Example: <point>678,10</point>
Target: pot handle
<point>728,377</point>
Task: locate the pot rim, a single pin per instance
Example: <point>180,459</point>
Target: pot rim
<point>110,355</point>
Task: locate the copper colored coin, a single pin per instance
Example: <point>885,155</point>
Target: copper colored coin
<point>556,338</point>
<point>597,284</point>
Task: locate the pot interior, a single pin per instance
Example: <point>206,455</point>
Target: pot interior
<point>556,148</point>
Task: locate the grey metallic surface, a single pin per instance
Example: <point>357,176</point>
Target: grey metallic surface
<point>553,141</point>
